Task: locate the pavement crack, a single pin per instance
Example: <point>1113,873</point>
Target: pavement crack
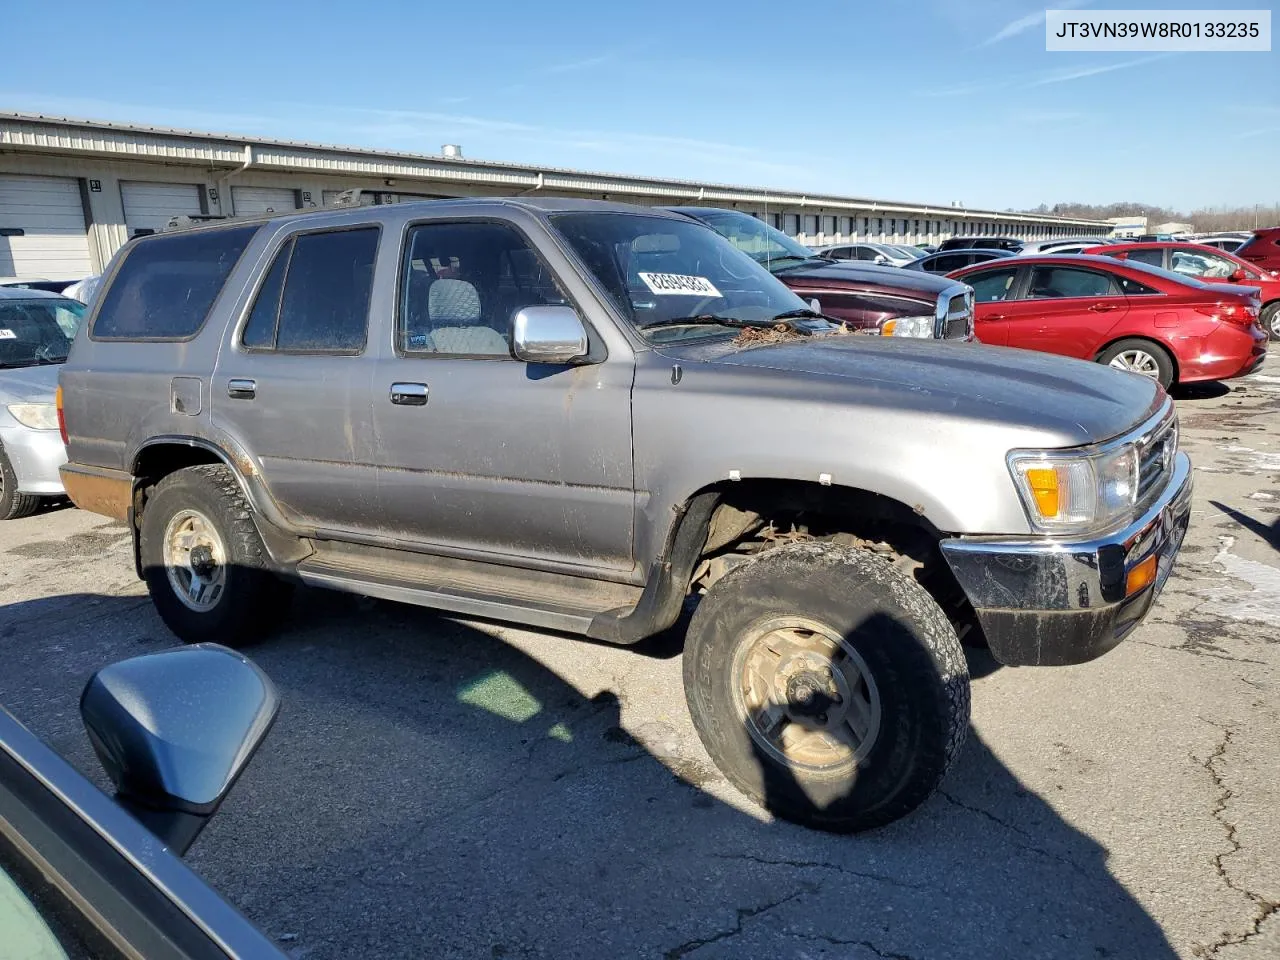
<point>1266,909</point>
<point>823,865</point>
<point>838,942</point>
<point>744,914</point>
<point>1017,830</point>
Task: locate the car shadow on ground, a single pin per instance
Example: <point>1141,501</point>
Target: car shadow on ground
<point>1205,390</point>
<point>431,790</point>
<point>1269,532</point>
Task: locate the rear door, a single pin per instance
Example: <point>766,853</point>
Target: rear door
<point>292,382</point>
<point>1065,310</point>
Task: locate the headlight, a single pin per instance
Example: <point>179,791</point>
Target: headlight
<point>37,416</point>
<point>921,327</point>
<point>1065,492</point>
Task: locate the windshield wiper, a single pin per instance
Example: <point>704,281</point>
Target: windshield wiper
<point>707,319</point>
<point>804,313</point>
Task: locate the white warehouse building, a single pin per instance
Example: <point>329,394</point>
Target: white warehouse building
<point>72,192</point>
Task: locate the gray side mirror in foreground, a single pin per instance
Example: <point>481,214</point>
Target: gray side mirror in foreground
<point>551,334</point>
<point>174,730</point>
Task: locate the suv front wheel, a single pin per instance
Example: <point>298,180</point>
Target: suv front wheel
<point>203,561</point>
<point>827,686</point>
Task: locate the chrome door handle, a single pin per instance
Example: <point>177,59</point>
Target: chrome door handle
<point>242,389</point>
<point>409,394</point>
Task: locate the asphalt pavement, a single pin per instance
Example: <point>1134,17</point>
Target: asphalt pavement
<point>444,788</point>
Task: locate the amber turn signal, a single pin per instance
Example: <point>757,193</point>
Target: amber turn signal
<point>62,422</point>
<point>1141,576</point>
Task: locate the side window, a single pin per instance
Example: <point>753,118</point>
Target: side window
<point>1051,283</point>
<point>315,298</point>
<point>166,285</point>
<point>1132,288</point>
<point>1153,257</point>
<point>1201,263</point>
<point>864,253</point>
<point>992,286</point>
<point>953,261</point>
<point>461,284</point>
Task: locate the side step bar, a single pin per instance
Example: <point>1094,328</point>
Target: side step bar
<point>467,587</point>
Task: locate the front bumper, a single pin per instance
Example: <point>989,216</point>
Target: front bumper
<point>36,456</point>
<point>1044,601</point>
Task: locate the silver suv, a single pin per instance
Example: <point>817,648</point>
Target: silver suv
<point>592,417</point>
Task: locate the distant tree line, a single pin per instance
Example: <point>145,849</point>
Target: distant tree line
<point>1206,220</point>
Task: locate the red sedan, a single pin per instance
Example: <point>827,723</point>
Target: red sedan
<point>1128,315</point>
<point>1207,264</point>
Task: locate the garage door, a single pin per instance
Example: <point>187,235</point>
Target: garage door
<point>263,200</point>
<point>42,232</point>
<point>148,207</point>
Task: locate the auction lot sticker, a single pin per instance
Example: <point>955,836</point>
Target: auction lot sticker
<point>1235,31</point>
<point>678,284</point>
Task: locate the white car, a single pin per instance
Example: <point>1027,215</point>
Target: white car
<point>885,254</point>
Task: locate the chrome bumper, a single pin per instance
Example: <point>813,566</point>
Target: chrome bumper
<point>1047,601</point>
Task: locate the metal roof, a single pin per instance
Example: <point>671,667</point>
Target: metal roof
<point>123,141</point>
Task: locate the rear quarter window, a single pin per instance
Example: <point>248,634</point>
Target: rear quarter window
<point>166,285</point>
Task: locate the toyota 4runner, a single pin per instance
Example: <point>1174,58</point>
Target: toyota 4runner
<point>591,417</point>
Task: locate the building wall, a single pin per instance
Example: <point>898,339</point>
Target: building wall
<point>811,224</point>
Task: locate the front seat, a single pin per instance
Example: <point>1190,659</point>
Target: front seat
<point>456,326</point>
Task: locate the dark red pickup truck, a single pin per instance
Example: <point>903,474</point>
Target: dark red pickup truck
<point>886,300</point>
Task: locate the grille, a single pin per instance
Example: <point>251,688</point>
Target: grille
<point>959,318</point>
<point>1154,457</point>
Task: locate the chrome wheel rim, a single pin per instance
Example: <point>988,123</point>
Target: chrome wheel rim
<point>195,560</point>
<point>1137,361</point>
<point>805,695</point>
<point>1274,326</point>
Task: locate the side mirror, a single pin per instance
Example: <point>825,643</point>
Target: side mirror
<point>881,260</point>
<point>551,334</point>
<point>815,306</point>
<point>1238,275</point>
<point>174,730</point>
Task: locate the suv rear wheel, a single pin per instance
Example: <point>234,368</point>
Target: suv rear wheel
<point>827,686</point>
<point>203,560</point>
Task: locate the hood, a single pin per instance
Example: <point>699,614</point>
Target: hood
<point>1062,402</point>
<point>29,384</point>
<point>854,274</point>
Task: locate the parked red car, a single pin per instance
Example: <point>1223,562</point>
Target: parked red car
<point>1128,315</point>
<point>1262,249</point>
<point>1210,265</point>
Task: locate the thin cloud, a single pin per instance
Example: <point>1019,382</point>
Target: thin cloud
<point>1032,20</point>
<point>1080,73</point>
<point>961,89</point>
<point>575,65</point>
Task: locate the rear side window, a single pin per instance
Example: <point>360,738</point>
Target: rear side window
<point>315,297</point>
<point>166,285</point>
<point>1154,258</point>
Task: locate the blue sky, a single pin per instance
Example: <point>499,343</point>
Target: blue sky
<point>930,100</point>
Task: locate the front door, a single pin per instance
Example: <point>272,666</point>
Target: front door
<point>293,385</point>
<point>482,454</point>
<point>1065,310</point>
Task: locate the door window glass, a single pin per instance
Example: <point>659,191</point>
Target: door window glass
<point>1201,263</point>
<point>327,280</point>
<point>992,286</point>
<point>1052,283</point>
<point>461,285</point>
<point>1154,258</point>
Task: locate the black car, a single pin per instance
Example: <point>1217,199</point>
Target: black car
<point>1012,244</point>
<point>944,261</point>
<point>87,875</point>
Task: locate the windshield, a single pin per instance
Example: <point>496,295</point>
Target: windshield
<point>761,242</point>
<point>37,331</point>
<point>659,269</point>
